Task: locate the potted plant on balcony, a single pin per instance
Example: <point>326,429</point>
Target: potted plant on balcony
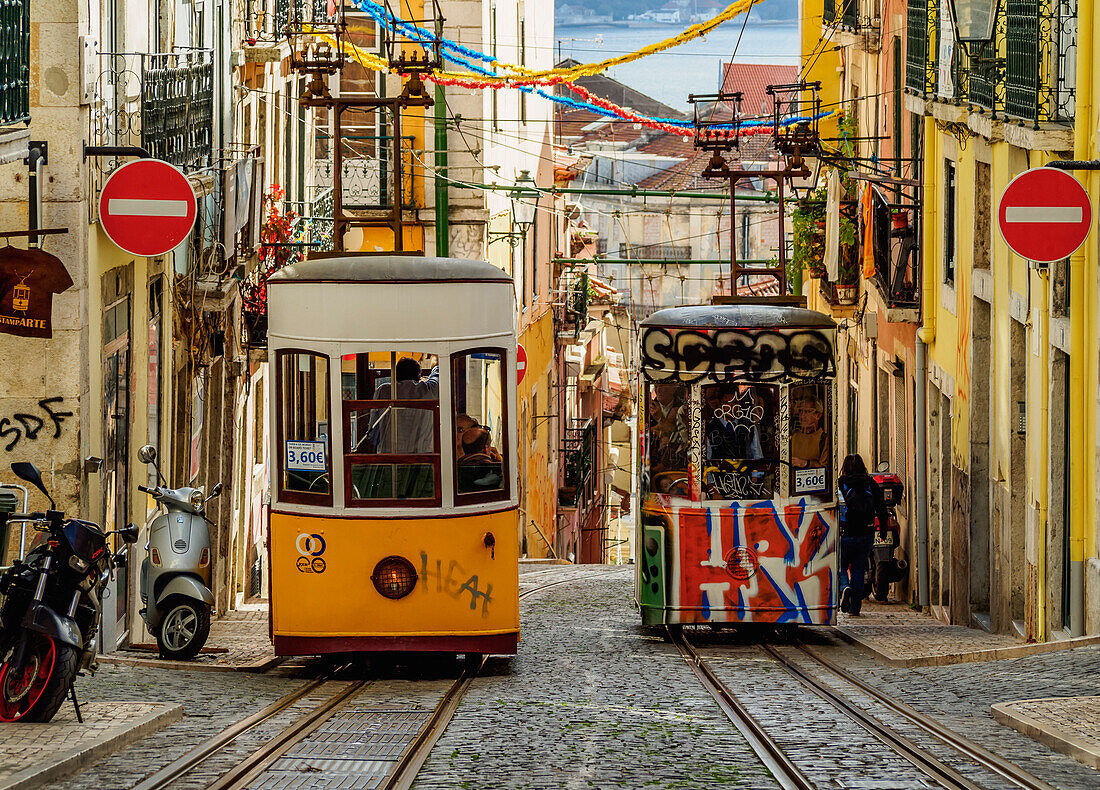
<point>809,234</point>
<point>277,230</point>
<point>847,284</point>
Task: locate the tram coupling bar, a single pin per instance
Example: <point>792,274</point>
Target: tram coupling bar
<point>491,545</point>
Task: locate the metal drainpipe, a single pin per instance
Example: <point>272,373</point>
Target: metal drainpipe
<point>1082,306</point>
<point>921,404</point>
<point>874,404</point>
<point>442,186</point>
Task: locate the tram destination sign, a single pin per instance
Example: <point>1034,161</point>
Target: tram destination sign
<point>689,355</point>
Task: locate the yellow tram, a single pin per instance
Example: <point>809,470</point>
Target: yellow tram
<point>738,503</point>
<point>393,521</point>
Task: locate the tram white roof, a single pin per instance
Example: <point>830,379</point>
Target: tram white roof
<point>393,299</point>
<point>748,316</point>
<point>389,269</point>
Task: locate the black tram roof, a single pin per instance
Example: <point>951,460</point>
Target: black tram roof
<point>390,269</point>
<point>752,316</point>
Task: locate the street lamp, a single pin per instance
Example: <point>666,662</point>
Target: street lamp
<point>974,20</point>
<point>525,198</point>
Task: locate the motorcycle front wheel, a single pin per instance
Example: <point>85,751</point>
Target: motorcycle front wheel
<point>184,629</point>
<point>37,690</point>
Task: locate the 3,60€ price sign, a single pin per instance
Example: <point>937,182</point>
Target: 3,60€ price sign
<point>305,456</point>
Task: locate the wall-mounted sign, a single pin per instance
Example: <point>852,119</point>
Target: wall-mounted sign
<point>28,281</point>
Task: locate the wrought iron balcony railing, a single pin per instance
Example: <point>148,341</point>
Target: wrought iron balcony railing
<point>15,61</point>
<point>921,18</point>
<point>1025,73</point>
<point>578,454</point>
<point>269,19</point>
<point>162,101</point>
<point>665,251</point>
<point>367,171</point>
<point>1040,46</point>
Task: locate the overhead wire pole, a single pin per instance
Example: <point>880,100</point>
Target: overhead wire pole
<point>442,182</point>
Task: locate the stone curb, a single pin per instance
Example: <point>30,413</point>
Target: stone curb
<point>257,666</point>
<point>966,657</point>
<point>1079,750</point>
<point>543,561</point>
<point>69,762</point>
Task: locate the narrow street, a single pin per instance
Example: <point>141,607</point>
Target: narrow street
<point>593,700</point>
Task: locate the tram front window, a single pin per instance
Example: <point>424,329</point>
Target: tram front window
<point>304,460</point>
<point>810,446</point>
<point>391,428</point>
<point>669,432</point>
<point>479,419</point>
<point>740,447</point>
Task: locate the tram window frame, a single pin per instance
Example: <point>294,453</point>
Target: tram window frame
<point>394,460</point>
<point>292,496</point>
<point>828,420</point>
<point>681,424</point>
<point>504,493</point>
<point>769,396</point>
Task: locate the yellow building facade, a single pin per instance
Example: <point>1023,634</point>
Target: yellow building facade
<point>1011,386</point>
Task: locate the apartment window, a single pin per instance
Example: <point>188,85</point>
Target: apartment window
<point>522,62</point>
<point>949,227</point>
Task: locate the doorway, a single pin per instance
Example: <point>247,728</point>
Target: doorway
<point>116,459</point>
<point>980,515</point>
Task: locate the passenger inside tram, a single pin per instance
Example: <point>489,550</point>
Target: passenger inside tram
<point>809,441</point>
<point>480,467</point>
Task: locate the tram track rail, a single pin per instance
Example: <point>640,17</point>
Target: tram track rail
<point>991,762</point>
<point>782,767</point>
<point>791,777</point>
<point>406,766</point>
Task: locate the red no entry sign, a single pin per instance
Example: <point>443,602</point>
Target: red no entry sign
<point>147,207</point>
<point>521,363</point>
<point>1044,214</point>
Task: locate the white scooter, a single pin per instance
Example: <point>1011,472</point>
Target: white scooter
<point>175,574</point>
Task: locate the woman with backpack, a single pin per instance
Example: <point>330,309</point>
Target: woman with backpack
<point>862,503</point>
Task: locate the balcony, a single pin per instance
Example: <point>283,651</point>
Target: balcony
<point>663,252</point>
<point>268,20</point>
<point>920,73</point>
<point>367,172</point>
<point>161,101</point>
<point>15,59</point>
<point>578,453</point>
<point>1025,75</point>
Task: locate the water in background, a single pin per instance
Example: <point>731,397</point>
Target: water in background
<point>694,67</point>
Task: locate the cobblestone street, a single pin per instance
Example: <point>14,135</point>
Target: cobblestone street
<point>593,700</point>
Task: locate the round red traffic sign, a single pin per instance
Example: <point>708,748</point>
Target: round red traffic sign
<point>147,207</point>
<point>1044,214</point>
<point>521,363</point>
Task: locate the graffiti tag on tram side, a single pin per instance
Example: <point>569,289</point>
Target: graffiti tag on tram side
<point>448,582</point>
<point>688,355</point>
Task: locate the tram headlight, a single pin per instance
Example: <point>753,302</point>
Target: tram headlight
<point>394,577</point>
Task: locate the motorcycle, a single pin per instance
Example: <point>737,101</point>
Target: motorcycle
<point>50,607</point>
<point>883,567</point>
<point>175,574</point>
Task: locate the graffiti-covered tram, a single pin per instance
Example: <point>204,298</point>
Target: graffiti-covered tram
<point>393,521</point>
<point>738,519</point>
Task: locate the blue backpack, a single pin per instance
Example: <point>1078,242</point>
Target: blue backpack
<point>859,506</point>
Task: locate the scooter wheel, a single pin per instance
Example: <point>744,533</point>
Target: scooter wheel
<point>184,629</point>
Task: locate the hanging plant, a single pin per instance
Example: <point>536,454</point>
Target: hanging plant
<point>278,229</point>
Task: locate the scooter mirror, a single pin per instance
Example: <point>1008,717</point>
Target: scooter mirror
<point>216,490</point>
<point>129,533</point>
<point>147,454</point>
<point>884,466</point>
